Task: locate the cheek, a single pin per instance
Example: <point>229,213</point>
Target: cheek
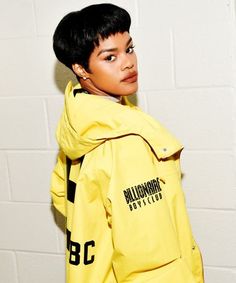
<point>102,69</point>
<point>106,73</point>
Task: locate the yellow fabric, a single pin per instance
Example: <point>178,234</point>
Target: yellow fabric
<point>127,221</point>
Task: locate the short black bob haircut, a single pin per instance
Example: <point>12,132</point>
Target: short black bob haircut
<point>79,32</point>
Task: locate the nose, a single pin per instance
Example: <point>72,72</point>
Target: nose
<point>127,62</point>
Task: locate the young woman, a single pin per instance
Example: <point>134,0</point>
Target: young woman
<point>117,180</point>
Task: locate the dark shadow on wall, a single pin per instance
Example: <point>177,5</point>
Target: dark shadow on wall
<point>62,75</point>
<point>59,219</point>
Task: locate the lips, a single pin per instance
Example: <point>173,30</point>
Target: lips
<point>130,78</point>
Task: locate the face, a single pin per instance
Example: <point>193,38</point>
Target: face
<point>113,67</point>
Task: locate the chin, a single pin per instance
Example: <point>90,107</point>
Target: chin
<point>130,91</point>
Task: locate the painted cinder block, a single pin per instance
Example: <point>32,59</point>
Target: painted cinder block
<point>209,179</point>
<point>8,267</point>
<point>203,54</point>
<point>201,118</point>
<point>154,54</point>
<point>30,173</point>
<point>16,19</point>
<point>219,275</point>
<point>23,124</point>
<point>170,13</point>
<point>4,178</point>
<point>40,67</point>
<point>55,107</point>
<point>39,268</point>
<point>29,67</point>
<point>215,233</point>
<point>27,227</point>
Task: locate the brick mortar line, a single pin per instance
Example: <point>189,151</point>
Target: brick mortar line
<point>31,97</point>
<point>28,150</point>
<point>229,268</point>
<point>47,123</point>
<point>229,210</point>
<point>209,151</point>
<point>45,149</point>
<point>12,202</point>
<point>189,88</point>
<point>10,191</point>
<point>16,267</point>
<point>55,150</point>
<point>32,252</point>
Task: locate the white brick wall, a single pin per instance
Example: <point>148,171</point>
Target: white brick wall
<point>187,63</point>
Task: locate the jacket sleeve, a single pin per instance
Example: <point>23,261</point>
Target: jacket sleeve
<point>144,236</point>
<point>58,184</point>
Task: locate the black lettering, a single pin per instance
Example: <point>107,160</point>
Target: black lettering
<point>142,194</point>
<point>74,249</point>
<point>158,185</point>
<point>135,197</point>
<point>68,234</point>
<point>71,186</point>
<point>149,184</point>
<point>74,253</point>
<point>88,260</point>
<point>153,187</point>
<point>71,191</point>
<point>130,195</point>
<point>126,194</point>
<point>140,191</point>
<point>145,189</point>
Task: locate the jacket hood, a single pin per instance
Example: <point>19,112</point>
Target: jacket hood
<point>89,120</point>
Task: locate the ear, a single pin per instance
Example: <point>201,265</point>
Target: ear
<point>80,71</point>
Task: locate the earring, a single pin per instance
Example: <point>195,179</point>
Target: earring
<point>84,78</point>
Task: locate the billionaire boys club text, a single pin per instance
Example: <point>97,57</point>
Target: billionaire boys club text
<point>143,194</point>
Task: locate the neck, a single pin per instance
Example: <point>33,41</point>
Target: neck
<point>87,85</point>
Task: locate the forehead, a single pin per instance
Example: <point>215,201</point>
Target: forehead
<point>113,41</point>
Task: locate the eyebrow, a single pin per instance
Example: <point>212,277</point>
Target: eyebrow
<point>113,49</point>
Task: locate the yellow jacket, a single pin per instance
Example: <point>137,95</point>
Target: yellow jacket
<point>118,183</point>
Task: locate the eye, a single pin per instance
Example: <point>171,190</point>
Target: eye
<point>130,49</point>
<point>110,58</point>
